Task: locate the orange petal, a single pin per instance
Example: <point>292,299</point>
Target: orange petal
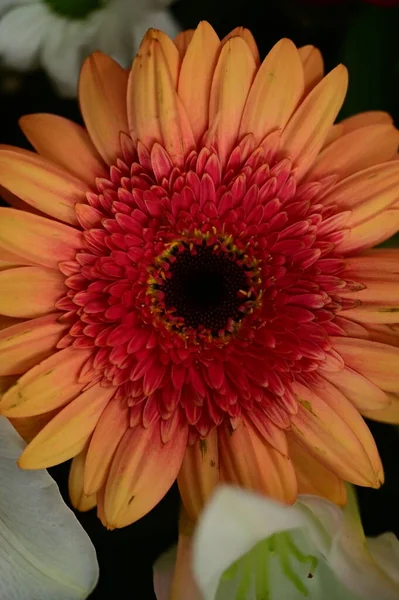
<point>102,96</point>
<point>109,431</point>
<point>333,134</point>
<point>375,261</point>
<point>378,362</point>
<point>8,322</point>
<point>156,114</point>
<point>199,474</point>
<point>246,459</point>
<point>6,382</point>
<point>169,51</point>
<point>357,150</point>
<point>65,143</point>
<point>390,414</point>
<point>386,334</point>
<point>183,39</point>
<point>313,66</point>
<point>371,117</point>
<point>330,438</point>
<point>66,435</point>
<point>348,413</point>
<point>231,82</point>
<point>370,233</point>
<point>24,345</point>
<point>142,471</point>
<point>367,192</point>
<point>28,292</point>
<point>36,239</point>
<point>183,585</point>
<point>275,93</point>
<point>79,500</point>
<point>307,130</point>
<point>46,386</point>
<point>41,183</point>
<point>247,36</point>
<point>313,477</point>
<point>196,74</point>
<point>29,427</point>
<point>363,394</point>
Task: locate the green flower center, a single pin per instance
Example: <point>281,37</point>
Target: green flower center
<point>253,573</point>
<point>75,9</point>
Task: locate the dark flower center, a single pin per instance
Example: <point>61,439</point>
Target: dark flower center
<point>204,285</point>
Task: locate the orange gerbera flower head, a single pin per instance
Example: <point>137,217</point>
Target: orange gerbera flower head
<point>191,274</point>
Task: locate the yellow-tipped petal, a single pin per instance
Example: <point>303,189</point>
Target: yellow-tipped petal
<point>24,345</point>
<point>156,114</point>
<point>247,36</point>
<point>313,477</point>
<point>313,66</point>
<point>362,392</point>
<point>102,97</point>
<point>364,119</point>
<point>378,362</point>
<point>275,93</point>
<point>357,150</point>
<point>370,233</point>
<point>28,292</point>
<point>307,130</point>
<point>232,80</point>
<point>110,429</point>
<point>36,239</point>
<point>79,500</point>
<point>199,474</point>
<point>142,471</point>
<point>65,143</point>
<point>329,437</point>
<point>196,75</point>
<point>389,414</point>
<point>247,460</point>
<point>169,51</point>
<point>66,435</point>
<point>41,183</point>
<point>367,192</point>
<point>46,386</point>
<point>182,41</point>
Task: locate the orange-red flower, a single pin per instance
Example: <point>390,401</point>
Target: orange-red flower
<point>192,278</point>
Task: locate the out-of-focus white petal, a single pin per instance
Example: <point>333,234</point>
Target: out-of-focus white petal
<point>231,525</point>
<point>354,562</point>
<point>163,573</point>
<point>44,552</point>
<point>385,551</point>
<point>160,19</point>
<point>22,31</point>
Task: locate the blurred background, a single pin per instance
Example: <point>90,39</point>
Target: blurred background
<point>40,52</point>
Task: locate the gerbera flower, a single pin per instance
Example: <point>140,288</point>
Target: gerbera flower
<point>193,281</point>
<point>59,34</point>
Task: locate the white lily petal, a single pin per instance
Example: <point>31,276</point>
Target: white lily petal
<point>44,552</point>
<point>385,551</point>
<point>163,573</point>
<point>22,31</point>
<point>349,556</point>
<point>232,524</point>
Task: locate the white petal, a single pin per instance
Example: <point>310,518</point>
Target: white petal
<point>44,552</point>
<point>385,551</point>
<point>22,31</point>
<point>160,19</point>
<point>355,565</point>
<point>163,573</point>
<point>233,522</point>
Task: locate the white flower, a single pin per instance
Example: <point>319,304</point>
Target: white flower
<point>59,34</point>
<point>44,552</point>
<point>247,547</point>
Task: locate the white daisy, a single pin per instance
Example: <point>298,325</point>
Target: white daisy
<point>58,34</point>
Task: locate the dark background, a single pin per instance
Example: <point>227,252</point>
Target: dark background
<point>365,38</point>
